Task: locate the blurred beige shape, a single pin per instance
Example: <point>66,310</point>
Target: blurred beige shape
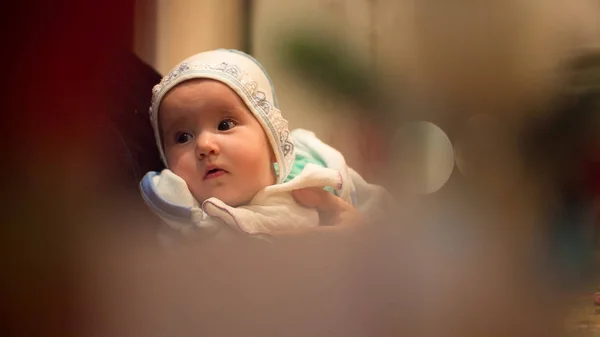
<point>423,158</point>
<point>168,31</point>
<point>474,140</point>
<point>498,55</point>
<point>301,105</point>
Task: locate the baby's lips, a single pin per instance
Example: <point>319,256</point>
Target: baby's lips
<point>213,171</point>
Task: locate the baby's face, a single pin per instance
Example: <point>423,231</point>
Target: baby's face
<point>214,143</point>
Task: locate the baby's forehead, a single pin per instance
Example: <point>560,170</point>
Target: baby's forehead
<point>201,99</point>
<point>201,92</point>
<point>205,86</point>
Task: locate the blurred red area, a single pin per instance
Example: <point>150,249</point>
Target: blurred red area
<point>61,60</point>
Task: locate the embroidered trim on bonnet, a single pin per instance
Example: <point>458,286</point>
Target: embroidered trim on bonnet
<point>269,113</point>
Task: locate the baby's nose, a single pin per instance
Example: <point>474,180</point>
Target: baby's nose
<point>206,144</point>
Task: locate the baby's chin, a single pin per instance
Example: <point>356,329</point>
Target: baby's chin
<point>233,200</point>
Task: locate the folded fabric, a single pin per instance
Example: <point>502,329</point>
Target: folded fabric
<point>272,209</point>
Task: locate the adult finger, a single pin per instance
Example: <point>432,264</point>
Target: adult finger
<point>322,200</point>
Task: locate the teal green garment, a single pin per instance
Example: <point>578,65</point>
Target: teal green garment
<point>300,161</point>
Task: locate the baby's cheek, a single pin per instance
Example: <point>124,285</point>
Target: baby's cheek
<point>200,198</point>
<point>180,171</point>
<point>258,169</point>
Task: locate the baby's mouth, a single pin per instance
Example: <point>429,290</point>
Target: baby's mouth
<point>214,172</point>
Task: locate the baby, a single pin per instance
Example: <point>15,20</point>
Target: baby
<point>231,160</point>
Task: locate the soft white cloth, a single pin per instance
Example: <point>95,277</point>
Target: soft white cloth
<point>272,209</point>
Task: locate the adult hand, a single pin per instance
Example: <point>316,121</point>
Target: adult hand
<point>333,211</point>
<point>335,216</point>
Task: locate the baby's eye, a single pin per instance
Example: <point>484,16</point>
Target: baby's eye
<point>183,137</point>
<point>226,124</point>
